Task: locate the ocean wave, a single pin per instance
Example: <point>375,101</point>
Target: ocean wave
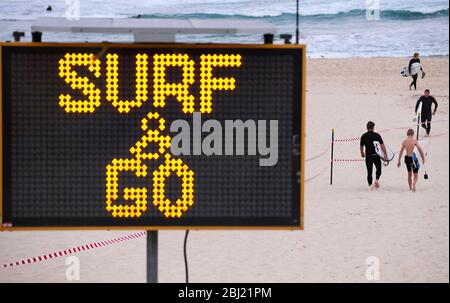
<point>282,17</point>
<point>356,13</point>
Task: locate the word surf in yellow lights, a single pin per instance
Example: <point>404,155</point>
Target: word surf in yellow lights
<point>161,88</point>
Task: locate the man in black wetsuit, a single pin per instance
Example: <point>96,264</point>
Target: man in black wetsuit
<point>426,113</point>
<point>372,158</point>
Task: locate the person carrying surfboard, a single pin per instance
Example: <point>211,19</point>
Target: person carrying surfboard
<point>368,142</point>
<point>425,102</point>
<point>411,161</point>
<point>414,67</point>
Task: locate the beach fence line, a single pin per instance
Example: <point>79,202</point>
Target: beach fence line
<point>330,147</point>
<point>73,250</point>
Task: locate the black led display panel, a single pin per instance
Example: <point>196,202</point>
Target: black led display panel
<point>89,130</point>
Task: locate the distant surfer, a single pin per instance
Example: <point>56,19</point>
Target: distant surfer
<point>414,67</point>
<point>411,161</point>
<point>426,101</point>
<point>369,141</point>
<point>49,8</point>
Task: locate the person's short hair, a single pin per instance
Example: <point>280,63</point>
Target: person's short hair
<point>410,132</point>
<point>416,55</point>
<point>427,90</point>
<point>370,125</point>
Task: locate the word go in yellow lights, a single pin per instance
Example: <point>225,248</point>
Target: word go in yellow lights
<point>162,89</point>
<point>208,83</point>
<point>112,82</point>
<point>139,195</point>
<point>77,82</point>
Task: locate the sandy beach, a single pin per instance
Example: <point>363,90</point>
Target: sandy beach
<point>344,223</point>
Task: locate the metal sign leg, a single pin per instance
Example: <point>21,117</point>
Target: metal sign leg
<point>152,256</point>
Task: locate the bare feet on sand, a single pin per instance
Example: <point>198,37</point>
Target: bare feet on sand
<point>377,185</point>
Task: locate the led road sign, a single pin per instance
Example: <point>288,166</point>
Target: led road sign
<point>152,136</point>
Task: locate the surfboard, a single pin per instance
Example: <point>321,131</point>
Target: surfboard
<point>415,69</point>
<point>425,144</point>
<point>418,112</point>
<point>379,151</point>
<point>405,71</point>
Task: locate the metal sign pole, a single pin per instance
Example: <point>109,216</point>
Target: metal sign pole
<point>152,256</point>
<point>332,156</point>
<point>296,28</point>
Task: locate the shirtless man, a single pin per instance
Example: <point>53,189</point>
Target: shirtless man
<point>411,160</point>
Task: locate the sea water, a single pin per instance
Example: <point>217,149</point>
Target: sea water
<point>330,28</point>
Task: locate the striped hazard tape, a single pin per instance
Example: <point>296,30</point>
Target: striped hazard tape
<point>347,140</point>
<point>348,160</point>
<point>72,250</point>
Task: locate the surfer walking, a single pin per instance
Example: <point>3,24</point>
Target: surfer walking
<point>411,160</point>
<point>368,143</point>
<point>426,101</point>
<point>414,67</point>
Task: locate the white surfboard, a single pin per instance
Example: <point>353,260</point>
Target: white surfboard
<point>379,151</point>
<point>425,144</point>
<point>415,69</point>
<point>405,71</point>
<point>418,112</point>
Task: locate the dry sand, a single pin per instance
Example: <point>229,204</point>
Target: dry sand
<point>345,223</point>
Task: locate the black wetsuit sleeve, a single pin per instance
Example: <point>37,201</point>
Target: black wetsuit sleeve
<point>362,142</point>
<point>435,103</point>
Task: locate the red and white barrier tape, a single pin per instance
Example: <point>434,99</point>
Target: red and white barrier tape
<point>346,140</point>
<point>361,160</point>
<point>348,160</point>
<point>357,139</point>
<point>323,153</point>
<point>72,250</point>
